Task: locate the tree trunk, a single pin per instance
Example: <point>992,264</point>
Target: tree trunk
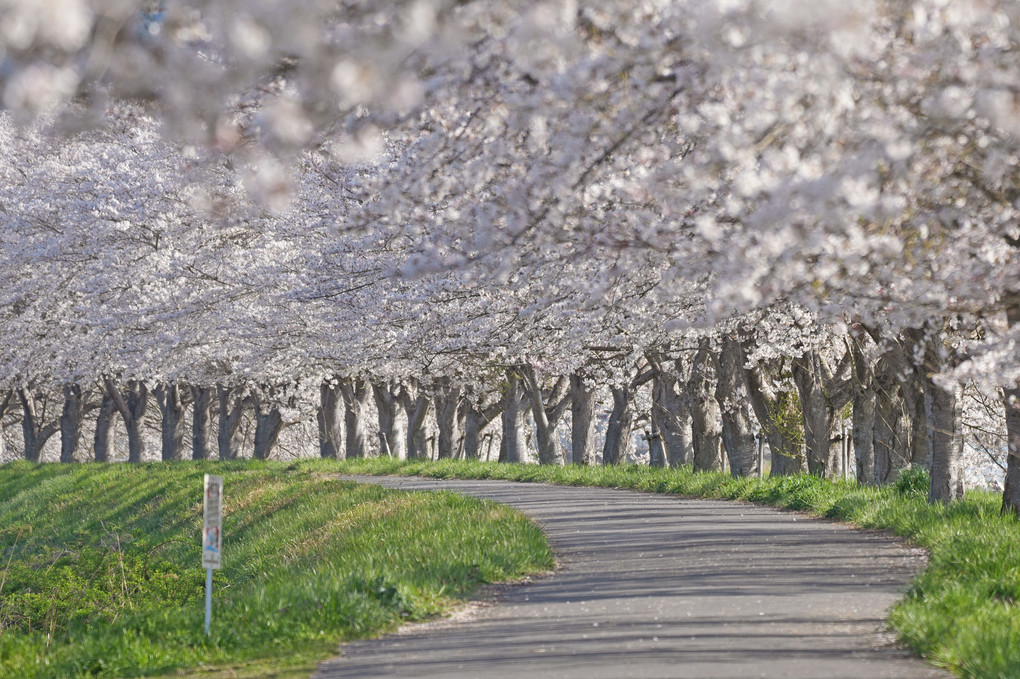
<point>787,456</point>
<point>104,423</point>
<point>821,399</point>
<point>393,420</point>
<point>945,428</point>
<point>945,431</point>
<point>514,447</point>
<point>269,421</point>
<point>172,403</point>
<point>32,450</point>
<point>818,419</point>
<point>5,402</point>
<point>731,393</point>
<point>863,412</point>
<point>201,423</point>
<point>356,394</point>
<point>780,420</point>
<point>331,422</point>
<point>268,425</point>
<point>547,407</point>
<point>863,433</point>
<point>706,418</point>
<point>418,409</point>
<point>582,426</point>
<point>477,418</point>
<point>132,405</point>
<point>71,420</point>
<point>920,445</point>
<point>473,426</point>
<point>619,443</point>
<point>656,447</point>
<point>671,418</point>
<point>229,437</point>
<point>914,429</point>
<point>136,440</point>
<point>1011,402</point>
<point>449,418</point>
<point>37,431</point>
<point>889,439</point>
<point>1011,491</point>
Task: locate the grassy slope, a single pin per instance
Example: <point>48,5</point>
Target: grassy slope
<point>962,612</point>
<point>100,566</point>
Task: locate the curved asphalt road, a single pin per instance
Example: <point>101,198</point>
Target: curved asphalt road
<point>657,586</point>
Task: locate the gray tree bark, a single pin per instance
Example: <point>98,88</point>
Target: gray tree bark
<point>477,418</point>
<point>229,437</point>
<point>268,425</point>
<point>393,419</point>
<point>514,446</point>
<point>864,404</point>
<point>671,416</point>
<point>619,444</point>
<point>418,405</point>
<point>891,432</point>
<point>5,402</point>
<point>547,408</point>
<point>706,416</point>
<point>36,425</point>
<point>819,417</point>
<point>900,436</point>
<point>771,407</point>
<point>269,422</point>
<point>582,424</point>
<point>913,386</point>
<point>656,447</point>
<point>331,422</point>
<point>132,404</point>
<point>945,428</point>
<point>912,381</point>
<point>201,423</point>
<point>104,423</point>
<point>172,402</point>
<point>71,420</point>
<point>356,395</point>
<point>822,396</point>
<point>1011,403</point>
<point>731,392</point>
<point>448,399</point>
<point>1011,490</point>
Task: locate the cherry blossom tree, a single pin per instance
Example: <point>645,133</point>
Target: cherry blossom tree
<point>419,210</point>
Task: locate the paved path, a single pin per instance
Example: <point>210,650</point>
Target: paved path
<point>656,586</point>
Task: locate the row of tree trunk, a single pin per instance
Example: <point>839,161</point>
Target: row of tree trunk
<point>130,401</point>
<point>708,406</point>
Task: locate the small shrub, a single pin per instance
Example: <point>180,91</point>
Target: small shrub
<point>913,482</point>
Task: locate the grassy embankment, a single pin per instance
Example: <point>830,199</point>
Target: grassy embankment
<point>962,612</point>
<point>100,570</point>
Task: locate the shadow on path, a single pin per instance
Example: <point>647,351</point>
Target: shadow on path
<point>657,586</point>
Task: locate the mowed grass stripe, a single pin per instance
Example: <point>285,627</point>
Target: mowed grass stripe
<point>102,575</point>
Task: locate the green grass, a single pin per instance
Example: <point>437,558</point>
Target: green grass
<point>100,570</point>
<point>100,574</point>
<point>962,612</point>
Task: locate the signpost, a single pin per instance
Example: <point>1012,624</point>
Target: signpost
<point>211,537</point>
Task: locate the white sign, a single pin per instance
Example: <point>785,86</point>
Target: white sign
<point>212,533</point>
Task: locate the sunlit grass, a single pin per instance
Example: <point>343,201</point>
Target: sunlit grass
<point>101,566</point>
<point>962,612</point>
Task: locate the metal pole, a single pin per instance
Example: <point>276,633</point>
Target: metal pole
<point>208,599</point>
